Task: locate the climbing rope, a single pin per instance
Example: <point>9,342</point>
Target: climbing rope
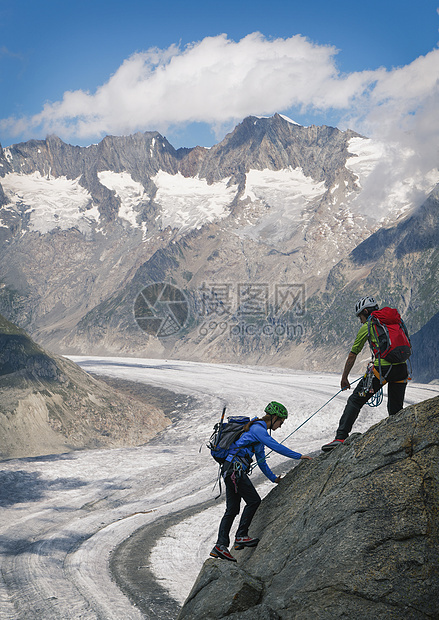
<point>376,399</point>
<point>303,423</point>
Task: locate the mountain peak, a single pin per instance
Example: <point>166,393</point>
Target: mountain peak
<point>288,119</point>
<point>276,117</point>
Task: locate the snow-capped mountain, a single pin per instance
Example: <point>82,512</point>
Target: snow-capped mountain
<point>265,163</point>
<point>84,230</point>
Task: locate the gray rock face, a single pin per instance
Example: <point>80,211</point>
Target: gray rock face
<point>399,266</point>
<point>275,144</point>
<point>425,360</point>
<point>243,591</point>
<point>353,534</point>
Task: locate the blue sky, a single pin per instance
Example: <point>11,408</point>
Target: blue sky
<point>193,69</point>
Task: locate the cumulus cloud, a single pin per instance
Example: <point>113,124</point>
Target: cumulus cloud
<point>219,81</point>
<point>401,111</point>
<point>400,97</point>
<point>215,80</point>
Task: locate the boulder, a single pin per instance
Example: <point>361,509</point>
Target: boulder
<point>243,591</point>
<point>352,534</point>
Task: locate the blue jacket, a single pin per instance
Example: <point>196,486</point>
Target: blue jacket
<point>253,442</point>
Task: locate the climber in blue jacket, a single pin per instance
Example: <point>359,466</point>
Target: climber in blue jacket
<point>238,484</point>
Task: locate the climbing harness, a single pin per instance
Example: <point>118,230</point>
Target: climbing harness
<point>376,398</point>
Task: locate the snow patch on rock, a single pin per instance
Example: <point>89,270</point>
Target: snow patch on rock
<point>289,120</point>
<point>130,193</point>
<point>273,187</point>
<point>285,195</point>
<point>190,202</point>
<point>50,202</point>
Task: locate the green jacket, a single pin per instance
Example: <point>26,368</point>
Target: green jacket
<point>360,341</point>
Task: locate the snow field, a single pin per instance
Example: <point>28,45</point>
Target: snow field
<point>189,202</point>
<point>278,200</point>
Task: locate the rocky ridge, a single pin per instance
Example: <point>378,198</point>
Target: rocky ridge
<point>274,205</point>
<point>354,533</point>
<point>123,189</point>
<point>49,405</point>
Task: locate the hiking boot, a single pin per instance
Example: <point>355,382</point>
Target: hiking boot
<point>245,541</point>
<point>330,446</point>
<point>221,551</point>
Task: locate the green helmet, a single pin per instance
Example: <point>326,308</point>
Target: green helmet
<point>277,409</point>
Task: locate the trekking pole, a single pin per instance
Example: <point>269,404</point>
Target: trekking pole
<point>220,430</point>
<point>307,420</point>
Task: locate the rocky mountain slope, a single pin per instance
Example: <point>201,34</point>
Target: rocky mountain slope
<point>397,264</point>
<point>253,233</point>
<point>354,534</point>
<point>426,365</point>
<point>49,405</point>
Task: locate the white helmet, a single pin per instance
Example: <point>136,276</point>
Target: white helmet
<point>365,302</point>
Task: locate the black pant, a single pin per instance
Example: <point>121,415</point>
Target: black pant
<point>245,490</point>
<point>395,398</point>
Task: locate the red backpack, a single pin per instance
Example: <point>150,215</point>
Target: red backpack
<point>388,336</point>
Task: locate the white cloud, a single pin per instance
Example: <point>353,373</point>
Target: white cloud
<point>399,97</point>
<point>219,81</point>
<point>215,81</point>
<point>401,110</point>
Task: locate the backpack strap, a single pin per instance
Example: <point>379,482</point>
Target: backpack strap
<point>250,443</point>
<point>369,334</point>
<point>377,355</point>
<point>233,453</point>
